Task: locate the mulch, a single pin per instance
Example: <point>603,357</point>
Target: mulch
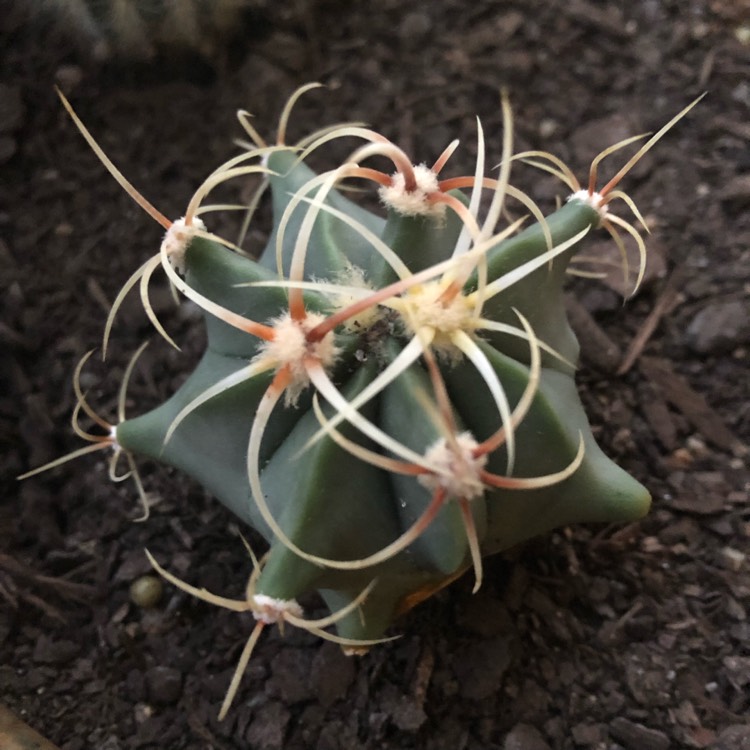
<point>591,637</point>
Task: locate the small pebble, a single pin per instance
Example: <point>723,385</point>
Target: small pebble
<point>732,558</point>
<point>57,652</point>
<point>164,685</point>
<point>69,77</point>
<point>719,327</point>
<point>146,591</point>
<point>331,674</point>
<point>414,28</point>
<point>269,727</point>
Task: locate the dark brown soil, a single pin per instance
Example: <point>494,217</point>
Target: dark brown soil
<point>635,637</point>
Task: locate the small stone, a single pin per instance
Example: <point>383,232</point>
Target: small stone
<point>685,715</point>
<point>648,681</point>
<point>414,28</point>
<point>722,527</point>
<point>587,734</point>
<point>637,737</point>
<point>142,712</point>
<point>719,327</point>
<point>741,93</point>
<point>289,679</point>
<point>111,743</point>
<point>403,710</point>
<point>408,716</point>
<point>331,674</point>
<point>133,565</point>
<point>738,671</point>
<point>49,651</point>
<point>525,737</point>
<point>596,135</point>
<point>336,735</point>
<point>531,701</point>
<point>69,77</point>
<point>269,727</point>
<point>164,685</point>
<point>548,127</point>
<point>146,591</point>
<point>742,34</point>
<point>732,559</point>
<point>481,666</point>
<point>736,193</point>
<point>735,610</point>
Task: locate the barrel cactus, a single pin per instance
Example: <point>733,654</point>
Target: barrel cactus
<point>386,399</point>
<point>142,29</point>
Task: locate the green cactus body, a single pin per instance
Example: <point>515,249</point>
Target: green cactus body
<point>335,505</point>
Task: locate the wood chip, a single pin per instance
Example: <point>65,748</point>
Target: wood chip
<point>678,392</point>
<point>740,129</point>
<point>596,347</point>
<point>78,591</point>
<point>667,301</point>
<point>698,503</point>
<point>737,190</point>
<point>634,735</point>
<point>15,735</point>
<point>607,19</point>
<point>658,416</point>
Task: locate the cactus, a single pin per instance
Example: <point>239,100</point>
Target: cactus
<point>137,29</point>
<point>385,399</point>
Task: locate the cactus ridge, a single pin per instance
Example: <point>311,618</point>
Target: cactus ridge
<point>386,400</point>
